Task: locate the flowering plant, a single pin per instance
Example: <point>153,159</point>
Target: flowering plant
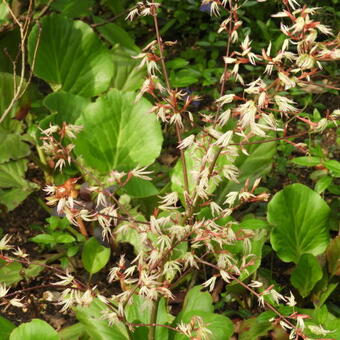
<point>203,226</point>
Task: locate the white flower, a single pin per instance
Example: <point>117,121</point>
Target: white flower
<point>210,283</point>
<point>255,284</point>
<point>65,279</point>
<point>20,253</point>
<point>3,290</point>
<point>285,104</point>
<point>4,243</point>
<point>16,302</point>
<point>226,99</point>
<point>319,330</point>
<point>291,300</point>
<point>186,142</point>
<point>225,139</point>
<point>141,173</point>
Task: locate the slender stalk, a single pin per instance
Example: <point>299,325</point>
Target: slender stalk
<point>167,82</point>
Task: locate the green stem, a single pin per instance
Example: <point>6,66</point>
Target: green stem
<point>153,320</point>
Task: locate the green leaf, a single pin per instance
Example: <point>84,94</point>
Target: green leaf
<point>70,56</point>
<point>177,63</point>
<point>11,198</point>
<point>91,318</point>
<point>253,223</point>
<point>333,166</point>
<point>12,147</point>
<point>195,300</point>
<point>253,329</point>
<point>322,184</point>
<point>333,256</point>
<point>43,239</point>
<point>306,161</point>
<point>73,8</point>
<point>257,164</point>
<point>127,76</point>
<point>300,219</point>
<point>68,106</point>
<point>12,173</point>
<point>118,133</point>
<point>34,269</point>
<point>306,274</point>
<point>220,326</point>
<point>94,256</point>
<point>116,35</point>
<point>36,329</point>
<point>10,273</point>
<point>137,187</point>
<point>6,328</point>
<point>73,332</point>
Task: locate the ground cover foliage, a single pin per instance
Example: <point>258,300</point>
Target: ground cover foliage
<point>169,170</point>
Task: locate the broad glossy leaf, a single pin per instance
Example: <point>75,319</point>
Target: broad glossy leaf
<point>73,332</point>
<point>94,256</point>
<point>6,328</point>
<point>68,106</point>
<point>300,219</point>
<point>92,319</point>
<point>118,133</point>
<point>36,329</point>
<point>70,56</point>
<point>306,274</point>
<point>333,166</point>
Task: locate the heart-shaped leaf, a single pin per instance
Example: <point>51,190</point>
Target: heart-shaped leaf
<point>300,219</point>
<point>118,133</point>
<point>70,56</point>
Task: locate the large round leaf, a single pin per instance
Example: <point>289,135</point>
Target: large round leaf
<point>36,329</point>
<point>70,56</point>
<point>300,217</point>
<point>118,133</point>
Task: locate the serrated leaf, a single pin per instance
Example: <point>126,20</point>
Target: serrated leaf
<point>36,329</point>
<point>196,300</point>
<point>94,256</point>
<point>118,133</point>
<point>306,274</point>
<point>300,219</point>
<point>70,56</point>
